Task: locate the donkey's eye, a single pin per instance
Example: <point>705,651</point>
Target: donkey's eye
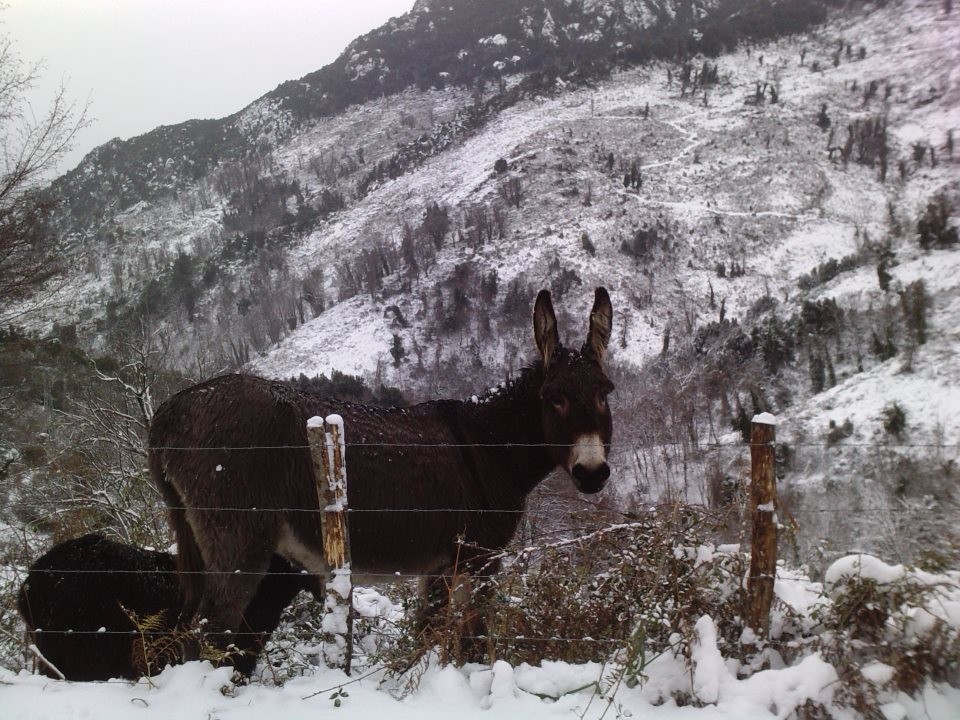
<point>560,403</point>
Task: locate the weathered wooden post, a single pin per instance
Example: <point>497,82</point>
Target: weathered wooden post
<point>328,451</point>
<point>763,547</point>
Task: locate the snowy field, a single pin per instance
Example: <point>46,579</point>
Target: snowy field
<point>196,690</point>
<point>702,682</point>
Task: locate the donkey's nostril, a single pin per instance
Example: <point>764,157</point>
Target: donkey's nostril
<point>590,480</point>
<point>582,472</point>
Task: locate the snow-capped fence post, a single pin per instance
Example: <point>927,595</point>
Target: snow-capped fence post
<point>763,546</point>
<point>328,450</point>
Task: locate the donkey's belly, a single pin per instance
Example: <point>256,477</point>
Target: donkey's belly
<point>384,562</point>
<point>400,547</point>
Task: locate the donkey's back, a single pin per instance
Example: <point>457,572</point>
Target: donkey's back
<point>231,459</point>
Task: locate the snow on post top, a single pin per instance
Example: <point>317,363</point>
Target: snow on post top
<point>765,419</point>
<point>315,422</point>
<point>335,420</point>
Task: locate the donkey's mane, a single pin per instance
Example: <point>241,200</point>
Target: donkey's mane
<point>528,373</point>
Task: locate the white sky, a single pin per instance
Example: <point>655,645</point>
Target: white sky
<point>144,63</point>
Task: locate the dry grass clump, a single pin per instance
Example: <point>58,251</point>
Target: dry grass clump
<point>582,598</point>
<point>579,600</point>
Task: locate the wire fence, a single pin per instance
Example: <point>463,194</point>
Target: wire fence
<point>695,458</point>
<point>568,514</point>
<point>614,446</point>
<point>645,463</point>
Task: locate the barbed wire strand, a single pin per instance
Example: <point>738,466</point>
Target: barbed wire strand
<point>161,633</point>
<point>471,511</point>
<point>616,446</point>
<point>266,574</point>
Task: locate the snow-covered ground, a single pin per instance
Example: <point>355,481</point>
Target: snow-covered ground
<point>711,684</point>
<point>195,691</point>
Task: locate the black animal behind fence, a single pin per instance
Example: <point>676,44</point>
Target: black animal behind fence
<point>78,599</point>
<point>480,458</point>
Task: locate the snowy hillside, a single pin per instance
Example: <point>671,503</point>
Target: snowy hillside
<point>774,214</point>
<point>755,216</point>
<point>725,182</point>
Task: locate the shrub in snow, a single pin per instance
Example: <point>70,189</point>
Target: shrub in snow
<point>637,588</point>
<point>836,433</point>
<point>587,244</point>
<point>934,226</point>
<point>823,119</point>
<point>887,628</point>
<point>827,271</point>
<point>653,593</point>
<point>894,420</point>
<point>882,342</point>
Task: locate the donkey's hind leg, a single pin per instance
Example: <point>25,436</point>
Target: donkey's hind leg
<point>221,609</point>
<point>451,618</point>
<point>232,577</point>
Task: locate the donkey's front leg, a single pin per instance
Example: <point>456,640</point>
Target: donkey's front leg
<point>453,610</point>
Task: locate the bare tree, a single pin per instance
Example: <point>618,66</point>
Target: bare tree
<point>32,146</point>
<point>511,190</point>
<point>93,476</point>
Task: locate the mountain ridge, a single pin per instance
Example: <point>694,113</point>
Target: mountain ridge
<point>171,157</point>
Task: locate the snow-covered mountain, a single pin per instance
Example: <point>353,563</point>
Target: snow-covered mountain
<point>752,198</point>
<point>769,191</point>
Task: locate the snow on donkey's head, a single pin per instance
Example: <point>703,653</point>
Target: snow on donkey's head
<point>433,489</point>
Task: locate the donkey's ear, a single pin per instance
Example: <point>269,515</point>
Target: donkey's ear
<point>601,323</point>
<point>545,327</point>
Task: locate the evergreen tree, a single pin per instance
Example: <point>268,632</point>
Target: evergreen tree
<point>397,351</point>
<point>183,282</point>
<point>915,302</point>
<point>436,223</point>
<point>823,120</point>
<point>934,225</point>
<point>817,375</point>
<point>741,422</point>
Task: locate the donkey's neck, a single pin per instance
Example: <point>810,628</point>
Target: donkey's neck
<point>510,416</point>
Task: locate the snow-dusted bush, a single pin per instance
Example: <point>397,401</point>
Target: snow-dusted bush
<point>582,599</point>
<point>651,578</point>
<point>894,420</point>
<point>934,226</point>
<point>656,589</point>
<point>887,628</point>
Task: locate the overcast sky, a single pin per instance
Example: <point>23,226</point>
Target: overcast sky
<point>143,63</point>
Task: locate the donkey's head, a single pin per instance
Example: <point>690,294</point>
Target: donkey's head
<point>576,420</point>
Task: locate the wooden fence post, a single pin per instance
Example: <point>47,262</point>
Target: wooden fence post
<point>328,450</point>
<point>763,547</point>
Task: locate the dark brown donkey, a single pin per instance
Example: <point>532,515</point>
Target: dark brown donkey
<point>230,457</point>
